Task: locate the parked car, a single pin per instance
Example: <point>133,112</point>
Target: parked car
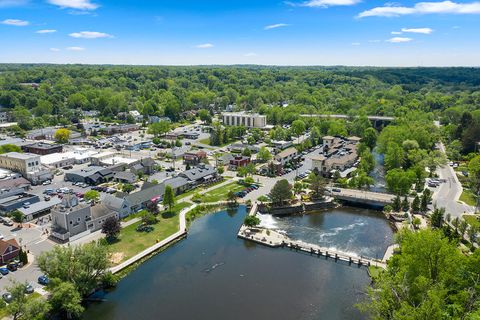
<point>67,167</point>
<point>7,222</point>
<point>29,289</point>
<point>336,190</point>
<point>43,280</point>
<point>46,198</point>
<point>7,297</point>
<point>4,271</point>
<point>48,191</point>
<point>45,183</point>
<point>12,266</point>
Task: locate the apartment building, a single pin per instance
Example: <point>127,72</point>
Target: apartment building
<point>249,120</point>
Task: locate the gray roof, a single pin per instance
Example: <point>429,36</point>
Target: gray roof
<point>14,183</point>
<point>176,183</point>
<point>198,173</point>
<point>40,206</point>
<point>113,202</point>
<point>99,211</point>
<point>145,195</point>
<point>126,175</point>
<point>91,171</point>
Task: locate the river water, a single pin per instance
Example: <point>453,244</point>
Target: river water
<point>214,275</point>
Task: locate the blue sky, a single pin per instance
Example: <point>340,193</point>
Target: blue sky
<point>185,32</point>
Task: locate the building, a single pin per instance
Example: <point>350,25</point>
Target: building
<point>178,184</point>
<point>42,148</point>
<point>239,161</point>
<point>72,219</point>
<point>58,160</point>
<point>249,120</point>
<point>136,115</point>
<point>9,250</point>
<point>120,128</point>
<point>17,201</point>
<point>339,154</point>
<point>125,177</point>
<point>4,117</point>
<point>194,158</point>
<point>91,175</point>
<point>27,164</point>
<point>48,134</point>
<point>281,145</point>
<point>35,210</point>
<point>286,155</point>
<point>145,166</point>
<point>201,174</point>
<point>126,204</point>
<point>20,182</point>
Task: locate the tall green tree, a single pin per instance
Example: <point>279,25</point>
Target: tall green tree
<point>169,197</point>
<point>281,192</point>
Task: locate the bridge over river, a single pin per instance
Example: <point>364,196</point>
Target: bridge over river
<point>362,197</point>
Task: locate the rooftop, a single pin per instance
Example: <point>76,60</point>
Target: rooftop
<point>18,155</point>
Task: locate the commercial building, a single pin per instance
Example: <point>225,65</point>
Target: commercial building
<point>72,219</point>
<point>200,174</point>
<point>238,161</point>
<point>42,148</point>
<point>339,154</point>
<point>286,155</point>
<point>91,175</point>
<point>27,164</point>
<point>194,158</point>
<point>249,120</point>
<point>13,202</point>
<point>48,134</point>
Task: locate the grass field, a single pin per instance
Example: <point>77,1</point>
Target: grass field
<point>468,197</point>
<point>200,188</point>
<point>131,242</point>
<point>220,194</point>
<point>472,220</point>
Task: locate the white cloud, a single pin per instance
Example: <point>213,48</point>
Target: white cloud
<point>90,35</point>
<point>12,3</point>
<point>423,8</point>
<point>250,54</point>
<point>75,49</point>
<point>275,26</point>
<point>204,46</point>
<point>54,49</point>
<point>396,32</point>
<point>15,22</point>
<point>355,43</point>
<point>75,4</point>
<point>328,3</point>
<point>399,40</point>
<point>46,31</point>
<point>418,30</point>
<point>374,41</point>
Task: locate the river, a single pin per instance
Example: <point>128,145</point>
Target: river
<point>214,275</point>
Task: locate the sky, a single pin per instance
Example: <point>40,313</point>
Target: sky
<point>266,32</point>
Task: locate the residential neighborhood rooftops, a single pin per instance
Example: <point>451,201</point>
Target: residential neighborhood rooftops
<point>18,155</point>
<point>287,152</point>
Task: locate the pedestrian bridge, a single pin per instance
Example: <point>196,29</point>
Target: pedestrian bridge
<point>362,197</point>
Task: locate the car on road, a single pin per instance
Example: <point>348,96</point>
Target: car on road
<point>45,183</point>
<point>12,266</point>
<point>7,222</point>
<point>46,198</point>
<point>7,297</point>
<point>336,190</point>
<point>43,280</point>
<point>29,289</point>
<point>4,271</point>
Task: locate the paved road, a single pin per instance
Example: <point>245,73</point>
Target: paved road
<point>447,194</point>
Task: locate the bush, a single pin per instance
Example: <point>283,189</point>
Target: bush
<point>109,280</point>
<point>23,257</point>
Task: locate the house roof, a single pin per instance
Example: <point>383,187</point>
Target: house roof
<point>145,195</point>
<point>113,202</point>
<point>99,211</point>
<point>198,173</point>
<point>176,183</point>
<point>126,175</point>
<point>5,244</point>
<point>14,183</point>
<point>286,153</point>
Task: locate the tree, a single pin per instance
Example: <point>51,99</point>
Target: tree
<point>399,181</point>
<point>393,156</point>
<point>397,204</point>
<point>418,282</point>
<point>66,299</point>
<point>84,265</point>
<point>317,185</point>
<point>231,197</point>
<point>92,195</point>
<point>281,191</point>
<point>298,187</point>
<point>127,187</point>
<point>298,127</point>
<point>16,308</point>
<point>437,217</point>
<point>111,227</point>
<point>251,221</point>
<point>472,233</point>
<point>205,116</point>
<point>462,227</point>
<point>169,197</point>
<point>148,218</point>
<point>264,155</point>
<point>416,222</point>
<point>247,152</point>
<point>159,128</point>
<point>474,176</point>
<point>405,204</point>
<point>18,216</point>
<point>370,136</point>
<point>62,135</point>
<point>416,204</point>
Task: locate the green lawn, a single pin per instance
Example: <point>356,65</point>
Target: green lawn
<point>131,242</point>
<point>200,188</point>
<point>207,142</point>
<point>220,194</point>
<point>374,271</point>
<point>472,220</point>
<point>468,197</point>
